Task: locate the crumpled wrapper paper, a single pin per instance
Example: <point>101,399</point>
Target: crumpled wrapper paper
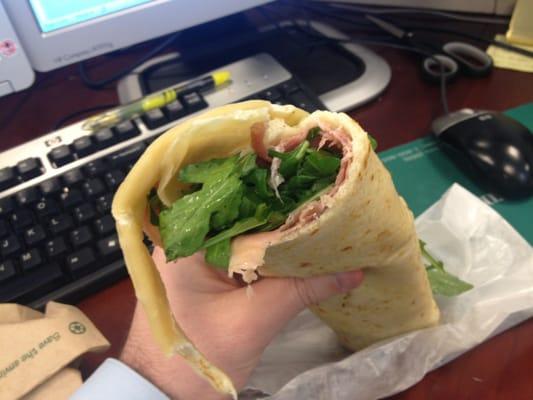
<point>38,351</point>
<point>476,244</point>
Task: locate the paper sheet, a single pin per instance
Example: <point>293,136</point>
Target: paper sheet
<point>476,244</point>
<point>508,59</point>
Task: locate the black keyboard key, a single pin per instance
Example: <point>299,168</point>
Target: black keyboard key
<point>46,208</point>
<point>8,178</point>
<point>301,100</point>
<point>109,247</point>
<point>105,138</point>
<point>4,228</point>
<point>127,155</point>
<point>126,130</point>
<point>174,110</point>
<point>31,286</point>
<point>34,235</point>
<point>193,101</point>
<point>61,155</point>
<point>154,118</point>
<point>71,198</point>
<point>95,168</point>
<point>50,187</point>
<point>103,203</point>
<point>80,236</point>
<point>289,87</point>
<point>30,259</point>
<point>271,95</point>
<point>9,246</point>
<point>114,178</point>
<point>73,177</point>
<point>104,225</point>
<point>60,223</point>
<point>84,213</point>
<point>7,270</point>
<point>30,168</point>
<point>81,261</point>
<point>55,247</point>
<point>93,187</point>
<point>83,146</point>
<point>21,219</point>
<point>28,196</point>
<point>6,205</point>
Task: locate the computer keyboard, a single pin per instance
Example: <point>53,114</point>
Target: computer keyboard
<point>57,236</point>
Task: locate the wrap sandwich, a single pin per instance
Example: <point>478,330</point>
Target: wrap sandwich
<point>331,206</point>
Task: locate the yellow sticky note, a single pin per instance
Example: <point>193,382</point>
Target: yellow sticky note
<point>508,59</point>
<point>521,29</point>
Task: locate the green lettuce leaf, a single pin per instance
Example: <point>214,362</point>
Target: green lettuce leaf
<point>441,281</point>
<point>373,142</point>
<point>446,284</point>
<point>219,254</point>
<point>320,163</point>
<point>241,226</point>
<point>313,133</point>
<point>229,196</point>
<point>228,211</point>
<point>290,161</point>
<point>209,171</point>
<point>185,224</point>
<point>257,179</point>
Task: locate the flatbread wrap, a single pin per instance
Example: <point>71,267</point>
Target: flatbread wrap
<point>358,221</point>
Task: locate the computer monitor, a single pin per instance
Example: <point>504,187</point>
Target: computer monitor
<point>55,33</point>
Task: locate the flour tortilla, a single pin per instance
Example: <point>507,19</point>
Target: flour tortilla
<point>366,226</point>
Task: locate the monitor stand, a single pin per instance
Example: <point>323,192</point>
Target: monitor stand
<point>344,76</point>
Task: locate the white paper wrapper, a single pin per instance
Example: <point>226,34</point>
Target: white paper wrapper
<point>476,244</point>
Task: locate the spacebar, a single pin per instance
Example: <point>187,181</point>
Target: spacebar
<point>28,287</point>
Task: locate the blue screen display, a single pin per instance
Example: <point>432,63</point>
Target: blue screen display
<point>57,14</point>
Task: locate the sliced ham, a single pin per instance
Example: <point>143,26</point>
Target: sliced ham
<point>258,131</point>
<point>248,251</point>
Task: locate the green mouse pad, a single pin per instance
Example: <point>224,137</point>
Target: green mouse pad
<point>422,172</point>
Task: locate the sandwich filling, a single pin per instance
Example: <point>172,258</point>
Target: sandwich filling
<point>235,207</point>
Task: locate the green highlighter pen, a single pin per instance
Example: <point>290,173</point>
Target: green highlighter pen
<point>117,115</point>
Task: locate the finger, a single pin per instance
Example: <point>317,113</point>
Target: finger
<point>314,290</point>
<point>286,297</point>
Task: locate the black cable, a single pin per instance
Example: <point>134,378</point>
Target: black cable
<point>77,113</point>
<point>442,78</point>
<point>332,13</point>
<point>344,5</point>
<point>106,81</point>
<point>494,42</point>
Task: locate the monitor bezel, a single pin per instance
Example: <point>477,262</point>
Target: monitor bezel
<point>87,39</point>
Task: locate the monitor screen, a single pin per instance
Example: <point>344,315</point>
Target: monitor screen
<point>55,33</point>
<point>56,14</point>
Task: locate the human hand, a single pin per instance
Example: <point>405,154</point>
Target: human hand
<point>229,328</point>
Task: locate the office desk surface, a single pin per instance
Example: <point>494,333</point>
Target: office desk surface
<point>498,369</point>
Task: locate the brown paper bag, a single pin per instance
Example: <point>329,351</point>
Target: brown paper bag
<point>35,348</point>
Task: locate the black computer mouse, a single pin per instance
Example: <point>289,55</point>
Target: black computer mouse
<point>496,148</point>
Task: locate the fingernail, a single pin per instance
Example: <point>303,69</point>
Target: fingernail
<point>349,280</point>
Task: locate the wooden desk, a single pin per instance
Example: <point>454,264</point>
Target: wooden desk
<point>498,369</point>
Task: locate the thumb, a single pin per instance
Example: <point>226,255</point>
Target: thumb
<point>292,295</point>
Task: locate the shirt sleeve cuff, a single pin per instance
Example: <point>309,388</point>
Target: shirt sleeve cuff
<point>115,380</point>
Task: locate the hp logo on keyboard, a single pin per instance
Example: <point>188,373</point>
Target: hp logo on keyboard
<point>53,141</point>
